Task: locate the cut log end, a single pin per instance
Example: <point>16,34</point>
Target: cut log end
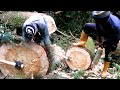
<point>79,58</point>
<point>35,60</point>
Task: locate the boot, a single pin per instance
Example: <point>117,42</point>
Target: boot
<point>83,40</point>
<point>106,66</point>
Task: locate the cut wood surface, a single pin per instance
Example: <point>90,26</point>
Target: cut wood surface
<point>80,58</point>
<point>17,18</point>
<point>33,57</point>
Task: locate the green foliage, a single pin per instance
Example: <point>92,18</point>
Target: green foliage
<point>73,21</point>
<point>62,41</point>
<point>118,76</point>
<point>91,46</point>
<point>116,72</point>
<point>16,21</point>
<point>111,71</point>
<point>13,20</point>
<point>53,67</point>
<point>78,74</point>
<point>116,66</point>
<point>70,23</point>
<point>7,36</point>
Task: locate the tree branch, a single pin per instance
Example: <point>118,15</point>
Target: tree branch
<point>62,33</point>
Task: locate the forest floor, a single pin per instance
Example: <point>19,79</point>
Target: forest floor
<point>95,73</point>
<point>66,73</point>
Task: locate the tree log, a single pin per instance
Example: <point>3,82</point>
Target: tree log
<point>81,58</point>
<point>17,18</point>
<point>33,57</point>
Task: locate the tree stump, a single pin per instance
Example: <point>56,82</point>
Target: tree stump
<point>17,18</point>
<point>33,57</point>
<point>81,58</point>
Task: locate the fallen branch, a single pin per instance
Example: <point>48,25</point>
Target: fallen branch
<point>58,12</point>
<point>72,34</point>
<point>62,33</point>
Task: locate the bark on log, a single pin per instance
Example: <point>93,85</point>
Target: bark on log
<point>81,58</point>
<point>33,57</point>
<point>17,18</point>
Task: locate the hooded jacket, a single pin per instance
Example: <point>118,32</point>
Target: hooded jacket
<point>40,25</point>
<point>110,30</point>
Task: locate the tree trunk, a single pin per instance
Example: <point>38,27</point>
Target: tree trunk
<point>81,58</point>
<point>33,57</point>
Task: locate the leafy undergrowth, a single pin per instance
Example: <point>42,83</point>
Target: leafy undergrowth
<point>67,73</point>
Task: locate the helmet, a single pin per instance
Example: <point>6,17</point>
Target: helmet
<point>100,14</point>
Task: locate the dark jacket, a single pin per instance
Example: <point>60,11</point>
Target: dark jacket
<point>41,25</point>
<point>109,30</point>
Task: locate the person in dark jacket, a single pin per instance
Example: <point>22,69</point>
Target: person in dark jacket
<point>106,26</point>
<point>35,29</point>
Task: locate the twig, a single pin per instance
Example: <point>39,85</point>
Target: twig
<point>62,20</point>
<point>58,12</point>
<point>62,33</point>
<point>72,34</point>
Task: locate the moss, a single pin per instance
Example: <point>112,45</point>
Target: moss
<point>91,46</point>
